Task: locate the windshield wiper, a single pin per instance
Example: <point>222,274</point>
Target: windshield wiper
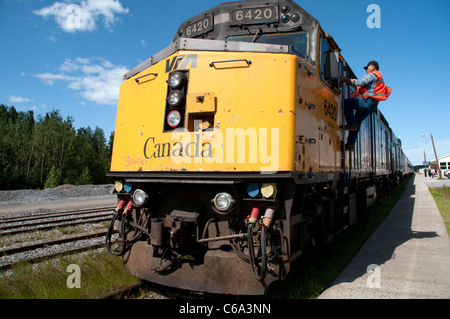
<point>295,51</point>
<point>257,34</point>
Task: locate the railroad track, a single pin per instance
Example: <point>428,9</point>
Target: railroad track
<point>14,230</point>
<point>14,225</point>
<point>32,238</point>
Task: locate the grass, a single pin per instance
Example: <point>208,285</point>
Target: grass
<point>313,273</point>
<point>100,274</point>
<point>441,196</point>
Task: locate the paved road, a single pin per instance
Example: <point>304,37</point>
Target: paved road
<point>409,253</point>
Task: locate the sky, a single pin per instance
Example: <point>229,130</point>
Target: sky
<point>70,55</point>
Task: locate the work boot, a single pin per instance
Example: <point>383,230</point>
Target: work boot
<point>350,128</point>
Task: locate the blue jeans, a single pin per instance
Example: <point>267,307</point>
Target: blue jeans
<point>356,110</point>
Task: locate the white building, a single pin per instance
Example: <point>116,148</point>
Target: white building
<point>444,162</point>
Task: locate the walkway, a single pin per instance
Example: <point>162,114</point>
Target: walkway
<point>407,257</point>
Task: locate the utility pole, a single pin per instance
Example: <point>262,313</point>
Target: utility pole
<point>438,167</point>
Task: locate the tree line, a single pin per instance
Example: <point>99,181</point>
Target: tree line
<point>48,151</point>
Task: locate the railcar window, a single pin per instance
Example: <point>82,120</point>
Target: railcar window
<point>297,41</point>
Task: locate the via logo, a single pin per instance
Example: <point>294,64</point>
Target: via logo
<point>181,62</point>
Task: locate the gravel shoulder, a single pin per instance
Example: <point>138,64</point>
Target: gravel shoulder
<point>64,197</point>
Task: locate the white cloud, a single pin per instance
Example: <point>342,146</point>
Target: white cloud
<point>83,15</point>
<point>97,79</point>
<point>49,78</point>
<point>18,99</point>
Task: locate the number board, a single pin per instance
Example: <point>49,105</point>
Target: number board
<point>255,15</point>
<point>199,27</point>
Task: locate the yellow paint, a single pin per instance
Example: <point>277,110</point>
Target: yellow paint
<point>200,103</point>
<point>317,126</point>
<point>251,109</point>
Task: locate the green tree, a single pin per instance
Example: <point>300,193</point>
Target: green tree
<point>85,177</point>
<point>36,153</point>
<point>53,179</point>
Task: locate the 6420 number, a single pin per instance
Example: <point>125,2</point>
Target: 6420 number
<point>330,110</point>
<point>267,14</point>
<point>199,27</point>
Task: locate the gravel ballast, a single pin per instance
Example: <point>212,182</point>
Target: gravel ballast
<point>65,197</point>
<point>63,192</point>
<point>18,203</point>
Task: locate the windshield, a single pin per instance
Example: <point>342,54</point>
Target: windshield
<point>297,41</point>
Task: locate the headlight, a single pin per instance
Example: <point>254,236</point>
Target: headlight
<point>176,80</point>
<point>139,197</point>
<point>175,98</point>
<point>223,201</point>
<point>285,9</point>
<point>285,18</point>
<point>174,118</point>
<point>295,17</point>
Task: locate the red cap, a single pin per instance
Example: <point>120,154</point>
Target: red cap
<point>255,212</point>
<point>129,205</point>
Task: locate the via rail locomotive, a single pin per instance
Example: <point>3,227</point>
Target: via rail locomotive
<point>228,154</point>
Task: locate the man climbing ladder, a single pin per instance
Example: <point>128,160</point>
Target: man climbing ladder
<point>364,101</point>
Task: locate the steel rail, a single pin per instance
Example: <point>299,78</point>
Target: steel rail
<point>54,225</point>
<point>53,254</point>
<point>4,220</point>
<point>42,243</point>
<point>53,221</point>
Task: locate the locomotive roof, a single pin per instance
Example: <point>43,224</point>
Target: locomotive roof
<point>240,18</point>
<point>207,45</point>
<point>244,17</point>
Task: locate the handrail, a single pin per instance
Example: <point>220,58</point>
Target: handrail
<point>212,64</point>
<point>137,79</point>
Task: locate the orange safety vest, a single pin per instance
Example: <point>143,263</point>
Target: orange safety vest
<point>381,92</point>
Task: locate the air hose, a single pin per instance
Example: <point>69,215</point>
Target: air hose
<point>120,216</point>
<point>259,271</point>
<point>258,274</point>
<point>119,250</point>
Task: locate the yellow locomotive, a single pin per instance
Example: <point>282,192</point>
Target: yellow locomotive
<point>228,151</point>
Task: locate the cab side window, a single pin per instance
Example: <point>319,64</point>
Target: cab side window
<point>324,47</point>
<point>330,64</point>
